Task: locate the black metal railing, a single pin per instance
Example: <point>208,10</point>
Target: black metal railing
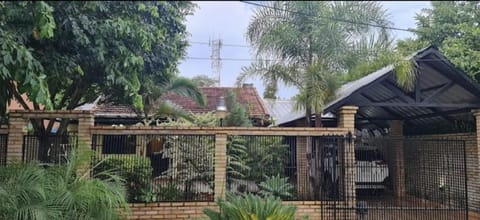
<point>328,168</point>
<point>268,165</point>
<point>159,167</point>
<point>262,165</point>
<point>409,178</point>
<point>3,149</point>
<point>48,148</point>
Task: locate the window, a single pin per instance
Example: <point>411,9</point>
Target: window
<point>119,144</point>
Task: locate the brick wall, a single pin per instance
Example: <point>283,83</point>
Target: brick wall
<point>431,179</point>
<point>170,210</point>
<point>192,210</point>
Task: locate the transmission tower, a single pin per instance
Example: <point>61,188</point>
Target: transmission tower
<point>216,60</point>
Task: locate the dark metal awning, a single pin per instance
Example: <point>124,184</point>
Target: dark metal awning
<point>442,94</point>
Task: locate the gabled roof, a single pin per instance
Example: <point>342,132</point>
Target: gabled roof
<point>283,111</point>
<point>442,93</point>
<point>247,96</point>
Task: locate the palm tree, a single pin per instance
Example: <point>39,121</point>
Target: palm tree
<point>32,192</point>
<point>309,45</point>
<point>178,85</point>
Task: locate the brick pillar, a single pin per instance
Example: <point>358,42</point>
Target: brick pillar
<point>346,119</point>
<point>473,168</point>
<point>398,164</point>
<point>220,163</point>
<point>85,122</point>
<point>302,167</point>
<point>15,137</point>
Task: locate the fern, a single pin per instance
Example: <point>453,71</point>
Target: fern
<point>276,186</point>
<point>250,207</point>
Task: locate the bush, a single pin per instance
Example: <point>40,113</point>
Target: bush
<point>136,170</point>
<point>276,186</point>
<point>250,207</point>
<point>30,191</point>
<point>169,192</point>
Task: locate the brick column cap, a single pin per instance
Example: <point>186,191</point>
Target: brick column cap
<point>476,112</point>
<point>348,109</point>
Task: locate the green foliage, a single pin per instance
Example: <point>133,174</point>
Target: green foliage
<point>405,69</point>
<point>453,27</point>
<point>276,186</point>
<point>250,207</point>
<point>193,119</point>
<point>136,170</point>
<point>254,159</point>
<point>237,154</point>
<point>192,158</point>
<point>169,193</point>
<point>63,54</point>
<point>29,191</point>
<point>237,115</point>
<point>266,156</point>
<point>204,81</point>
<point>18,62</point>
<point>309,52</point>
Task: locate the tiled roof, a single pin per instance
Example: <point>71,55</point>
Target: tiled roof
<point>114,110</point>
<point>247,96</point>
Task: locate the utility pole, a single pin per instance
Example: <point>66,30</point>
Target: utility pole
<point>216,60</point>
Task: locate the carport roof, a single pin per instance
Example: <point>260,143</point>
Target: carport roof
<point>442,93</point>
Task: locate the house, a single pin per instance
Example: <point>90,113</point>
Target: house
<point>108,113</point>
<point>246,95</point>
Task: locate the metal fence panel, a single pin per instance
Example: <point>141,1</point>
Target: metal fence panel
<point>408,178</point>
<point>159,167</point>
<point>48,148</point>
<point>3,149</point>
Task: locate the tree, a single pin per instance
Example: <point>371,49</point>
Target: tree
<point>237,115</point>
<point>64,54</point>
<point>454,28</point>
<point>298,44</point>
<point>204,81</point>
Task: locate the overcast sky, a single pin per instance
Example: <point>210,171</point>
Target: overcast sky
<point>229,20</point>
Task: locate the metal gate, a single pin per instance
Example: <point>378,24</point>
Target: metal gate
<point>410,178</point>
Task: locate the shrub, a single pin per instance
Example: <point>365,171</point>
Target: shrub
<point>136,170</point>
<point>276,186</point>
<point>250,207</point>
<point>169,192</point>
<point>29,191</point>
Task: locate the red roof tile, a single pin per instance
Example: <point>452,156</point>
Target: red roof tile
<point>246,96</point>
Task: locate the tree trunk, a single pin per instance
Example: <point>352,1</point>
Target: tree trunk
<point>318,120</point>
<point>308,117</point>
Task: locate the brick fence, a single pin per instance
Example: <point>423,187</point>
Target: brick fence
<point>187,210</point>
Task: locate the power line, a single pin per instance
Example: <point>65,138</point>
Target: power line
<point>227,45</point>
<point>250,59</point>
<point>228,59</point>
<point>331,18</point>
